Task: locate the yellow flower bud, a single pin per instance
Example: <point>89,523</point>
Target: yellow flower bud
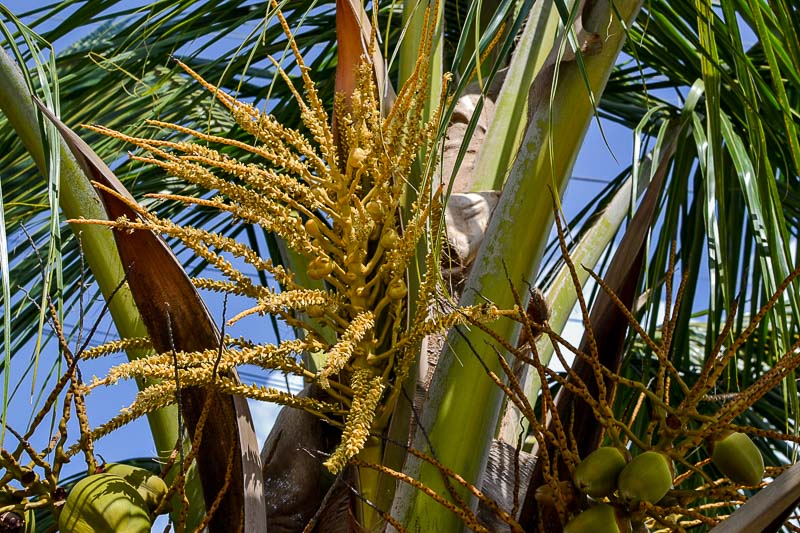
<point>356,157</point>
<point>397,289</point>
<point>312,227</point>
<point>389,239</point>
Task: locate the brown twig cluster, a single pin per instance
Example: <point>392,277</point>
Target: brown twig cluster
<point>681,426</point>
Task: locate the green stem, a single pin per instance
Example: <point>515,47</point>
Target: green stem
<point>506,129</point>
<point>463,405</point>
<point>369,485</point>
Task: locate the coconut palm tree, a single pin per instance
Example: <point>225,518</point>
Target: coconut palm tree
<point>708,93</point>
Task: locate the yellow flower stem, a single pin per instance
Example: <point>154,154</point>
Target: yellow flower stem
<point>335,282</point>
<point>375,280</point>
<point>378,308</point>
<point>374,260</point>
<point>338,323</point>
<point>335,243</point>
<point>376,359</point>
<point>343,398</point>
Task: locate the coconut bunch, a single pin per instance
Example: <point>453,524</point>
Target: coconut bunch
<point>30,476</point>
<point>114,497</point>
<point>690,459</point>
<point>336,201</point>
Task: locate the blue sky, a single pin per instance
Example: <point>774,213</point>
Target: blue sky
<point>595,165</point>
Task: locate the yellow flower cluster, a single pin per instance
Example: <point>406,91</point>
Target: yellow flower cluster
<point>368,389</point>
<point>337,202</point>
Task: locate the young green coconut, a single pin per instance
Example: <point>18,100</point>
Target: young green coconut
<point>600,518</point>
<point>648,477</point>
<point>150,487</point>
<point>738,458</point>
<point>103,503</point>
<point>597,474</point>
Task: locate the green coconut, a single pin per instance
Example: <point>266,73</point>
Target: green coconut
<point>648,477</point>
<point>738,458</point>
<point>597,474</point>
<point>104,503</point>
